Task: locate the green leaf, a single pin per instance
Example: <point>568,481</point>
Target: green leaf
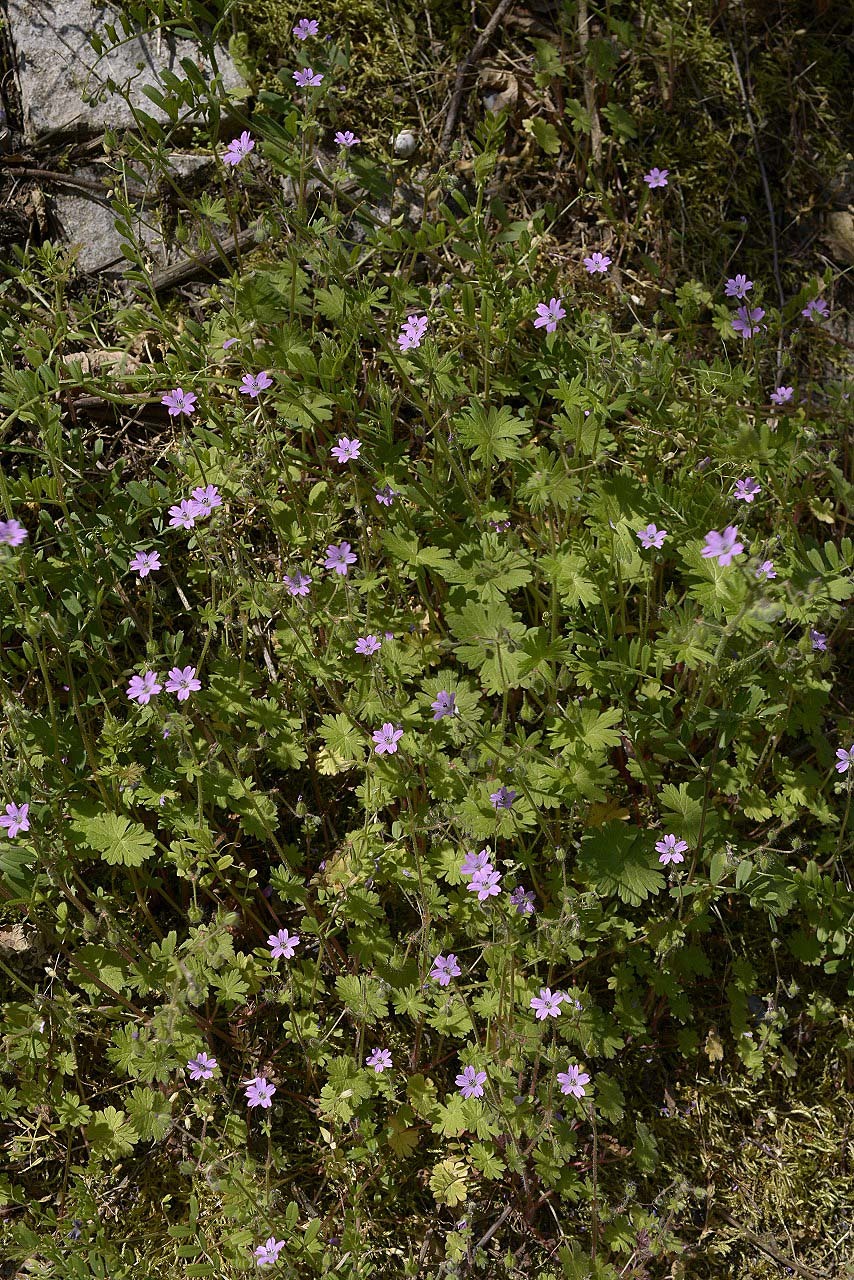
<point>545,133</point>
<point>580,117</point>
<point>567,572</point>
<point>485,1158</point>
<point>363,996</point>
<point>99,962</point>
<point>400,1135</point>
<point>448,1182</point>
<point>491,433</point>
<point>589,729</point>
<point>119,841</point>
<point>620,120</point>
<point>686,810</point>
<point>109,1132</point>
<point>615,860</point>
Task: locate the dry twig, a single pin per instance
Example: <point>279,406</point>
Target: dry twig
<point>463,69</point>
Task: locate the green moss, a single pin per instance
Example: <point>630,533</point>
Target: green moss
<point>387,41</point>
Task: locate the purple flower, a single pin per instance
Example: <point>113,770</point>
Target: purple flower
<point>15,819</point>
<point>206,498</point>
<point>76,1229</point>
<point>500,526</point>
<point>238,148</point>
<point>347,138</point>
<point>283,944</point>
<point>671,849</point>
<point>252,384</point>
<point>486,883</point>
<point>474,862</point>
<point>597,262</point>
<point>339,558</point>
<point>12,534</point>
<point>143,688</point>
<point>446,967</point>
<point>297,583</point>
<point>819,641</point>
<point>652,537</point>
<point>268,1253</point>
<point>656,178</point>
<point>386,739</point>
<point>722,547</point>
<point>259,1092</point>
<point>380,1060</point>
<point>766,570</point>
<point>573,1080</point>
<point>782,395</point>
<point>183,682</point>
<point>385,496</point>
<point>229,342</point>
<point>816,307</point>
<point>346,449</point>
<point>307,78</point>
<point>411,332</point>
<point>368,644</point>
<point>844,760</point>
<point>746,490</point>
<point>548,314</point>
<point>180,401</point>
<point>746,321</point>
<point>471,1082</point>
<point>445,704</point>
<point>306,27</point>
<point>201,1067</point>
<point>738,287</point>
<point>185,515</point>
<point>547,1004</point>
<point>523,901</point>
<point>144,562</point>
<point>503,798</point>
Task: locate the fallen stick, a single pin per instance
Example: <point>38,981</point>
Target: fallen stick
<point>463,69</point>
<point>211,261</point>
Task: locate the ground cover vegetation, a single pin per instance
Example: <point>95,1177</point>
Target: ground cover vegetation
<point>427,743</point>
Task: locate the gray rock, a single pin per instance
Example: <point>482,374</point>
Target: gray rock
<point>87,223</point>
<point>86,219</point>
<point>63,81</point>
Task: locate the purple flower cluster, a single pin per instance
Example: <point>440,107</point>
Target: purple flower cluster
<point>259,1092</point>
<point>444,968</point>
<point>671,849</point>
<point>573,1080</point>
<point>548,314</point>
<point>238,149</point>
<point>723,547</point>
<point>503,798</point>
<point>444,704</point>
<point>307,78</point>
<point>201,1067</point>
<point>185,514</point>
<point>181,681</point>
<point>412,332</point>
<point>547,1003</point>
<point>283,944</point>
<point>652,537</point>
<point>385,740</point>
<point>253,384</point>
<point>15,819</point>
<point>471,1082</point>
<point>483,879</point>
<point>597,262</point>
<point>12,534</point>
